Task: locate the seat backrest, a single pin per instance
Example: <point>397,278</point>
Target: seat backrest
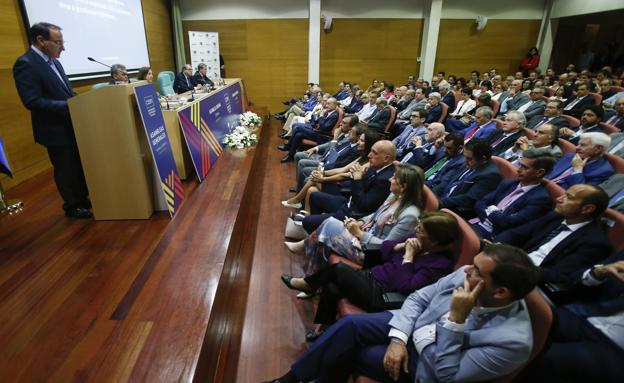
<point>550,92</point>
<point>566,146</point>
<point>617,89</point>
<point>555,191</point>
<point>165,82</point>
<point>608,128</point>
<point>495,107</point>
<point>572,121</point>
<point>458,96</point>
<point>597,98</point>
<point>445,109</point>
<point>99,85</point>
<point>507,169</point>
<point>615,231</point>
<point>542,320</point>
<point>430,199</point>
<point>616,161</point>
<point>530,133</point>
<point>468,245</point>
<point>339,122</point>
<point>392,119</point>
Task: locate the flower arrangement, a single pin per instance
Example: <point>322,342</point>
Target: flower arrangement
<point>240,138</point>
<point>250,120</point>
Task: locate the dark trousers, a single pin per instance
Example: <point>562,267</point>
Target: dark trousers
<point>578,353</point>
<point>323,206</point>
<point>341,281</point>
<point>69,177</point>
<point>299,133</point>
<point>356,343</point>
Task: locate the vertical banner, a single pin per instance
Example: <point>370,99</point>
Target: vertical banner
<point>206,122</point>
<point>204,47</point>
<point>154,125</point>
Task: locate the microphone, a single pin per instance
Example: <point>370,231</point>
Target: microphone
<point>95,61</point>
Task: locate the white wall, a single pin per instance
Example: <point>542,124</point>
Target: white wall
<point>493,9</point>
<point>564,8</point>
<point>243,9</point>
<point>373,9</point>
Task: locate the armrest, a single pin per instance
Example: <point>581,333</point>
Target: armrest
<point>393,300</point>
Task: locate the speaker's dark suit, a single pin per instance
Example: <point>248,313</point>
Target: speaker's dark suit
<point>462,194</point>
<point>527,207</point>
<point>45,95</point>
<point>367,195</point>
<point>183,84</point>
<point>581,249</point>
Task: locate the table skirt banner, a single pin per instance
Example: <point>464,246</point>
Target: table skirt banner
<point>154,124</point>
<point>205,124</point>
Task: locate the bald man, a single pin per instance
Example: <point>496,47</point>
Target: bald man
<point>369,189</point>
<point>429,150</point>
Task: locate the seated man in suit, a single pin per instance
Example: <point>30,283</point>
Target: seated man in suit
<point>405,100</point>
<point>552,116</point>
<point>335,154</point>
<point>506,137</point>
<point>575,106</point>
<point>617,144</point>
<point>320,130</point>
<point>428,151</point>
<point>201,77</point>
<point>380,117</point>
<point>588,342</point>
<point>483,128</point>
<point>515,98</point>
<point>119,74</point>
<point>357,102</point>
<point>567,240</point>
<point>416,128</point>
<point>447,96</point>
<point>586,166</point>
<point>300,108</point>
<point>370,189</point>
<point>515,203</point>
<point>614,187</point>
<point>369,108</point>
<point>617,119</point>
<point>545,141</point>
<point>449,167</point>
<point>590,119</point>
<point>471,325</point>
<point>481,177</point>
<point>433,107</point>
<point>184,81</point>
<point>535,106</point>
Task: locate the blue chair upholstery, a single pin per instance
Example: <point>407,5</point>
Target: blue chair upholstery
<point>99,85</point>
<point>165,82</point>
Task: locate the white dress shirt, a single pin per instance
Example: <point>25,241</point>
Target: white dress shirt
<point>538,255</point>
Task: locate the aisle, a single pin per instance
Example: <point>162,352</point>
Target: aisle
<point>275,321</point>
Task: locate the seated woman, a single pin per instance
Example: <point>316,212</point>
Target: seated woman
<point>417,261</point>
<point>329,180</point>
<point>460,118</point>
<point>396,217</point>
<point>145,73</point>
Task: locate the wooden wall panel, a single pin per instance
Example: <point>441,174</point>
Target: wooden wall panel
<point>25,157</point>
<point>360,50</point>
<point>503,43</point>
<point>271,56</point>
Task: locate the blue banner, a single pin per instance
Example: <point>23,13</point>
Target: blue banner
<point>4,163</point>
<point>206,122</point>
<point>154,125</point>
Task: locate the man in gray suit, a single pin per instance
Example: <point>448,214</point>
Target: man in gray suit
<point>535,106</point>
<point>614,187</point>
<point>515,98</point>
<point>472,325</point>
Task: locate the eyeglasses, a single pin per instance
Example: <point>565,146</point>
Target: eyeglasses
<point>57,42</point>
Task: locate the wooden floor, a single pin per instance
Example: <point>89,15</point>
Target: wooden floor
<point>193,299</point>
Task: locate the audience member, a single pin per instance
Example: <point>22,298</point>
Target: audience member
<point>552,116</point>
<point>368,109</point>
<point>617,119</point>
<point>433,107</point>
<point>483,128</point>
<point>535,106</point>
<point>449,167</point>
<point>380,118</point>
<point>545,141</point>
<point>416,128</point>
<point>515,98</point>
<point>575,106</point>
<point>447,96</point>
<point>590,119</point>
<point>614,187</point>
<point>511,130</point>
<point>428,151</point>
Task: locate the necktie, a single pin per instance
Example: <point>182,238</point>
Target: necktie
<point>187,81</point>
<point>564,174</point>
<point>436,167</point>
<point>56,71</point>
<point>617,197</point>
<point>499,140</point>
<point>540,123</point>
<point>561,228</point>
<point>455,184</point>
<point>614,120</point>
<point>571,105</point>
<point>505,202</point>
<point>471,133</point>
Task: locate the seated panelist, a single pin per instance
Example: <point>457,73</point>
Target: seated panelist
<point>184,81</point>
<point>119,74</point>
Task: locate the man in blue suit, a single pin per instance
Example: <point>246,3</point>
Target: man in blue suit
<point>449,167</point>
<point>567,240</point>
<point>483,128</point>
<point>184,81</point>
<point>447,96</point>
<point>514,203</point>
<point>44,89</point>
<point>319,130</point>
<point>586,166</point>
<point>428,151</point>
<point>472,325</point>
<point>480,177</point>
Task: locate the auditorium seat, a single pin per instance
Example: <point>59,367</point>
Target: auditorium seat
<point>445,109</point>
<point>597,98</point>
<point>430,200</point>
<point>608,128</point>
<point>530,133</point>
<point>555,191</point>
<point>99,85</point>
<point>165,82</point>
<point>308,142</point>
<point>393,115</point>
<point>495,107</point>
<point>572,121</point>
<point>507,169</point>
<point>617,89</point>
<point>566,146</point>
<point>616,161</point>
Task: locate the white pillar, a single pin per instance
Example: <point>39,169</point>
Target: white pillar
<point>546,36</point>
<point>432,11</point>
<point>314,41</point>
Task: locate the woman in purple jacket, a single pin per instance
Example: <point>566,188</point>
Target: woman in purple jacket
<point>408,264</point>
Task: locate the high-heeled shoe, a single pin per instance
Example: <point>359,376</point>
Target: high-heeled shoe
<point>295,247</point>
<point>296,205</point>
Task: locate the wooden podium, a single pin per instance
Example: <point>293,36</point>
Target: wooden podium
<point>114,152</point>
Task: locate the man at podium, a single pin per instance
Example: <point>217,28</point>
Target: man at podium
<point>44,89</point>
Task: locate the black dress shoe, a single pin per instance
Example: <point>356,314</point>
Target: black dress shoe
<point>79,212</point>
<point>283,148</point>
<point>292,190</point>
<point>313,335</point>
<point>287,158</point>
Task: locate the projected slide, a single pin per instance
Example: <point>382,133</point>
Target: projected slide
<point>110,31</point>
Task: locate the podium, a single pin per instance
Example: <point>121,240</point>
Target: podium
<point>114,152</point>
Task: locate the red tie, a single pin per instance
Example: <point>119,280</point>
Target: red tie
<point>472,132</point>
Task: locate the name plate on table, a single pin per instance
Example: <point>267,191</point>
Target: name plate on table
<point>206,122</point>
<point>154,125</point>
